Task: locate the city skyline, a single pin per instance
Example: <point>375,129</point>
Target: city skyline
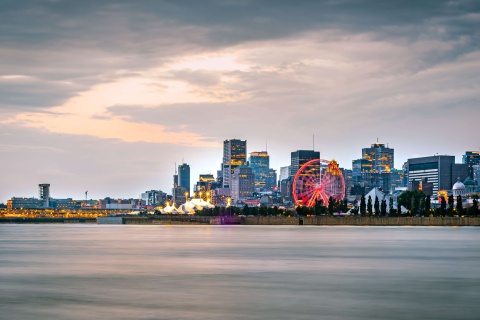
<point>108,97</point>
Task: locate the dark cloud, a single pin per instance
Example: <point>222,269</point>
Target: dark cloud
<point>87,42</point>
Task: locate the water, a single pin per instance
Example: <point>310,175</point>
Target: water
<point>238,272</point>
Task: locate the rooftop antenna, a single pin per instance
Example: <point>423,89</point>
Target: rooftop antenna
<point>175,167</point>
<point>313,142</point>
<point>266,145</point>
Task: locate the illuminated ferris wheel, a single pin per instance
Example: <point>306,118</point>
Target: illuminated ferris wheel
<point>318,180</point>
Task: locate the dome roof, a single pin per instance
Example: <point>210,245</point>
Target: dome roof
<point>469,182</point>
<point>458,185</point>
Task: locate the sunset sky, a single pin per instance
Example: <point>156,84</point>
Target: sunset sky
<point>107,96</point>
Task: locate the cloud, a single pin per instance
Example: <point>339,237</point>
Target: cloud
<point>137,76</point>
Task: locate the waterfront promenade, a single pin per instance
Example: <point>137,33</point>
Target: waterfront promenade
<point>169,219</point>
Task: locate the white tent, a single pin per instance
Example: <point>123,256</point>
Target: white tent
<point>375,192</point>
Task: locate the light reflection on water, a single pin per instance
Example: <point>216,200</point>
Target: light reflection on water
<point>238,272</point>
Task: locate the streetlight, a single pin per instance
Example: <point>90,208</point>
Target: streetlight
<point>229,201</point>
<point>186,196</point>
<point>200,194</point>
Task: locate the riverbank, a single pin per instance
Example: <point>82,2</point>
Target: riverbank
<point>232,220</point>
<point>318,221</point>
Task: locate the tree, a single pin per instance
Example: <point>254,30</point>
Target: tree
<point>383,206</point>
<point>473,210</point>
<point>363,207</point>
<point>413,206</point>
<point>331,204</point>
<point>320,208</point>
<point>369,206</point>
<point>263,210</point>
<point>450,205</point>
<point>459,205</point>
<point>443,204</point>
<point>377,206</point>
<point>427,204</point>
<point>399,208</point>
<point>246,210</point>
<point>410,199</point>
<point>390,202</point>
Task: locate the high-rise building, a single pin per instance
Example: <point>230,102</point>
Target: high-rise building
<point>265,177</point>
<point>360,167</point>
<point>184,176</point>
<point>471,158</point>
<point>243,183</point>
<point>347,177</point>
<point>234,155</point>
<point>271,180</point>
<point>441,171</point>
<point>284,173</point>
<point>44,194</point>
<point>380,156</point>
<point>300,157</point>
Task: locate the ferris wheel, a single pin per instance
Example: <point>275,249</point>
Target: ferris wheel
<point>318,180</point>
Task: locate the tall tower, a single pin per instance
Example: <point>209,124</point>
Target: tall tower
<point>234,155</point>
<point>184,176</point>
<point>44,194</point>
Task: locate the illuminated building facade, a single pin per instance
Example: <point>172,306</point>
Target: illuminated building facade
<point>471,158</point>
<point>205,184</point>
<point>297,160</point>
<point>381,157</point>
<point>441,171</point>
<point>234,155</point>
<point>300,157</point>
<point>265,177</point>
<point>243,183</point>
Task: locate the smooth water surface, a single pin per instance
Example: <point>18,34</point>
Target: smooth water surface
<point>238,272</point>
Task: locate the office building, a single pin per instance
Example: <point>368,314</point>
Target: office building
<point>153,198</point>
<point>265,177</point>
<point>439,170</point>
<point>471,158</point>
<point>381,157</point>
<point>243,183</point>
<point>300,157</point>
<point>234,155</point>
<point>44,194</point>
<point>184,176</point>
<point>284,173</point>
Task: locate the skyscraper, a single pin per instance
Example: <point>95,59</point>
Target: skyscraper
<point>184,176</point>
<point>243,183</point>
<point>234,155</point>
<point>471,158</point>
<point>381,157</point>
<point>260,164</point>
<point>300,157</point>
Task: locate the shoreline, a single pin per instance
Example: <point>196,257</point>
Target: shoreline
<point>259,220</point>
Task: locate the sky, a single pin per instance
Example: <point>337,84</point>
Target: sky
<point>107,96</point>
